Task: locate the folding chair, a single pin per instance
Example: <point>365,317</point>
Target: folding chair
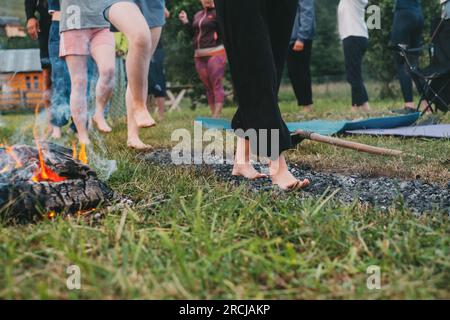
<point>434,80</point>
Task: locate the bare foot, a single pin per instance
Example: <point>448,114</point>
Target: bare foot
<point>101,123</point>
<point>56,132</point>
<point>283,178</point>
<point>286,181</point>
<point>247,171</point>
<point>366,107</point>
<point>308,109</point>
<point>137,144</point>
<point>143,118</point>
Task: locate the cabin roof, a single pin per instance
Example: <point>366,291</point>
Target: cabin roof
<point>20,60</point>
<point>4,20</point>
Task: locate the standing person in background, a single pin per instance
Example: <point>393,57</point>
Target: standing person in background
<point>407,31</point>
<point>157,80</point>
<point>210,55</point>
<point>299,56</point>
<point>157,86</point>
<point>60,101</point>
<point>354,34</point>
<point>141,21</point>
<point>256,36</point>
<point>84,33</point>
<point>39,30</point>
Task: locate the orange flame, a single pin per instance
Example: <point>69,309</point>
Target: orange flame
<point>83,154</point>
<point>74,151</point>
<point>43,173</point>
<point>80,156</point>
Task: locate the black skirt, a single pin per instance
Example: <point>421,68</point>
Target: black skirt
<point>256,36</point>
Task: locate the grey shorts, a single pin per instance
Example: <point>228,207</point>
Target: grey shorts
<point>152,10</point>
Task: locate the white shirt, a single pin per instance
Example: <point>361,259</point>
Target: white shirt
<point>351,18</point>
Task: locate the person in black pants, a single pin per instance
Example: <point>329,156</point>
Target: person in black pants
<point>157,79</point>
<point>354,50</point>
<point>354,34</point>
<point>299,56</point>
<point>407,31</point>
<point>256,37</point>
<point>39,29</point>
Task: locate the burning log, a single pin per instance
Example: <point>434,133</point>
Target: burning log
<point>35,182</point>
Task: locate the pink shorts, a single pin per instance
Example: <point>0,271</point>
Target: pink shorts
<point>80,42</point>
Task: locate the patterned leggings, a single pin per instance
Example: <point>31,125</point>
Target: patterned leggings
<point>211,71</point>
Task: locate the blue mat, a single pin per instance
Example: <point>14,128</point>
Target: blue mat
<point>329,128</point>
<point>440,131</point>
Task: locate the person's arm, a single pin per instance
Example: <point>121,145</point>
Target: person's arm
<point>299,44</point>
<point>30,8</point>
<point>185,21</point>
<point>307,20</point>
<point>32,21</point>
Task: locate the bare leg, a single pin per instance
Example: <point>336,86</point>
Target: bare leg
<point>104,57</point>
<point>242,166</point>
<point>282,177</point>
<point>141,48</point>
<point>77,66</point>
<point>161,105</point>
<point>133,129</point>
<point>217,110</point>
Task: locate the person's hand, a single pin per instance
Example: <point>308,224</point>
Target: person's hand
<point>167,13</point>
<point>33,28</point>
<point>298,46</point>
<point>183,17</point>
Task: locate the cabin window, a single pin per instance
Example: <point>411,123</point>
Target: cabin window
<point>28,82</point>
<point>36,82</point>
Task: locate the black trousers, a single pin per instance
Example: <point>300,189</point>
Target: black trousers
<point>354,51</point>
<point>407,30</point>
<point>299,70</point>
<point>256,36</point>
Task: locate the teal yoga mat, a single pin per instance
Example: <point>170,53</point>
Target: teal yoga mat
<point>326,127</point>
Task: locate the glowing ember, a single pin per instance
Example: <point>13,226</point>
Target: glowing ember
<point>81,213</point>
<point>85,212</point>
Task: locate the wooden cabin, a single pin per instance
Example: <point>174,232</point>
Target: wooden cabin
<point>22,82</point>
<point>11,27</point>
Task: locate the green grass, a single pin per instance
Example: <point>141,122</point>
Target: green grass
<point>191,236</point>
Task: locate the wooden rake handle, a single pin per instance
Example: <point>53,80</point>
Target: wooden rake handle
<point>348,144</point>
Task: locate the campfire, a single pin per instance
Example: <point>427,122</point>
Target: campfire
<point>46,181</point>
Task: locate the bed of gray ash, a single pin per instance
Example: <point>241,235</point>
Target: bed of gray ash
<point>381,192</point>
